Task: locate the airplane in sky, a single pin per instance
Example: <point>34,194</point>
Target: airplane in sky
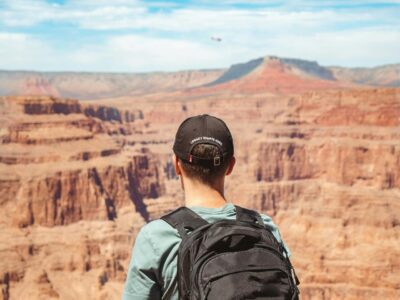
<point>216,38</point>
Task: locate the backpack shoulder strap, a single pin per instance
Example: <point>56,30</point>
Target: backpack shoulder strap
<point>184,218</point>
<point>248,215</point>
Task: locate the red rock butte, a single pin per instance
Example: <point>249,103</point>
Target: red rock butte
<point>317,148</point>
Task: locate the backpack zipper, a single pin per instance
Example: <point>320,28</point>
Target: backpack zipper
<point>207,287</point>
<point>205,261</point>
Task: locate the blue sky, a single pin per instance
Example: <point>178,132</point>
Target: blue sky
<point>142,36</point>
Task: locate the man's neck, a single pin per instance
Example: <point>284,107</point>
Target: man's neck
<point>197,194</point>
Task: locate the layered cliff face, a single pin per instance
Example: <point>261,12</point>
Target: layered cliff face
<point>331,180</point>
<point>63,161</point>
<point>73,194</point>
<point>85,260</point>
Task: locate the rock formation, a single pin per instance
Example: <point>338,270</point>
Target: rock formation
<point>276,76</point>
<point>72,197</point>
<point>78,179</point>
<point>330,178</point>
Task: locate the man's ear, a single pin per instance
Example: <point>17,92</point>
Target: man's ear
<point>178,170</point>
<point>231,165</point>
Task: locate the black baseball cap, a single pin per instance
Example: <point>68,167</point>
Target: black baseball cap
<point>203,129</point>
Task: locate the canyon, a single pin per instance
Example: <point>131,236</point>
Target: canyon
<point>319,154</point>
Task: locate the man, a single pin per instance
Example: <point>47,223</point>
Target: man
<point>203,156</point>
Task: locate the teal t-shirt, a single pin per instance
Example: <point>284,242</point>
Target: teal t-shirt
<point>152,272</point>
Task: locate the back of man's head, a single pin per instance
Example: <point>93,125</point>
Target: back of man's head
<point>204,147</point>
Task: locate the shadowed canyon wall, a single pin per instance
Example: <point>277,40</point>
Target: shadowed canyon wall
<point>72,197</point>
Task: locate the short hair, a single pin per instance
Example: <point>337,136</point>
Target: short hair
<point>206,175</point>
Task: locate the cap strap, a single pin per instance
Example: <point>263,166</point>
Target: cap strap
<point>206,162</point>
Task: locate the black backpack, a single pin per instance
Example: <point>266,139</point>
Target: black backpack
<point>231,259</point>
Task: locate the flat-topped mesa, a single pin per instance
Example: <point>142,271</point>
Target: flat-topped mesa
<point>276,70</point>
<point>275,75</point>
<point>310,67</point>
<point>38,105</point>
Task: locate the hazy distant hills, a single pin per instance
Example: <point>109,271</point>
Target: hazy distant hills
<point>270,73</point>
<point>388,75</point>
<point>84,85</point>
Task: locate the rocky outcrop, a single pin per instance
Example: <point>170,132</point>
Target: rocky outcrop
<point>61,262</point>
<point>48,120</point>
<point>73,194</point>
<point>59,195</point>
<point>331,180</point>
<point>361,165</point>
<point>310,68</point>
<point>49,105</point>
<point>66,197</point>
<point>237,71</point>
<point>379,107</point>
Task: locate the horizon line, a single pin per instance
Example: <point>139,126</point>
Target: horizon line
<point>190,70</point>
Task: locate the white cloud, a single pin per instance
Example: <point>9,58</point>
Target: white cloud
<point>354,48</point>
<point>22,13</point>
<point>175,38</point>
<point>22,52</point>
<point>137,54</point>
<point>125,14</point>
<point>124,53</point>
